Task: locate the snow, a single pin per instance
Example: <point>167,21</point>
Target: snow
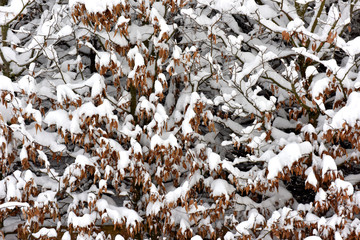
<point>135,55</point>
<point>213,159</point>
<point>153,208</point>
<point>28,176</point>
<point>221,187</point>
<point>295,24</point>
<point>287,157</point>
<point>6,84</point>
<point>119,214</point>
<point>98,85</point>
<point>28,84</point>
<point>196,237</point>
<point>173,196</point>
<point>103,58</point>
<point>59,117</point>
<point>177,52</point>
<point>48,139</point>
<point>122,20</point>
<point>14,7</point>
<point>45,198</point>
<point>30,111</point>
<point>45,232</point>
<point>157,18</point>
<point>338,236</point>
<point>65,31</point>
<point>254,219</point>
<point>170,141</point>
<point>311,178</point>
<point>207,168</point>
<point>225,6</point>
<point>89,110</point>
<point>103,184</point>
<point>320,195</point>
<point>350,114</point>
<point>308,128</point>
<point>328,164</point>
<point>12,205</point>
<point>186,126</point>
<point>23,153</point>
<point>158,87</point>
<point>318,87</point>
<point>136,146</point>
<point>119,237</point>
<point>352,47</point>
<point>12,190</point>
<point>66,236</point>
<point>95,6</point>
<point>81,221</point>
<point>342,186</point>
<point>9,54</point>
<point>65,92</point>
<point>184,225</point>
<point>311,218</point>
<point>124,160</point>
<point>310,71</point>
<point>83,160</point>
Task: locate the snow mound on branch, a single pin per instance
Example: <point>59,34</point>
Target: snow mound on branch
<point>44,198</point>
<point>342,186</point>
<point>7,13</point>
<point>95,5</point>
<point>65,92</point>
<point>349,114</point>
<point>59,117</point>
<point>83,160</point>
<point>153,208</point>
<point>328,164</point>
<point>287,157</point>
<point>170,141</point>
<point>12,205</point>
<point>81,221</point>
<point>45,232</point>
<point>221,5</point>
<point>119,237</point>
<point>254,219</point>
<point>119,214</point>
<point>7,84</point>
<point>311,178</point>
<point>97,83</point>
<point>214,159</point>
<point>197,237</point>
<point>28,84</point>
<point>220,187</point>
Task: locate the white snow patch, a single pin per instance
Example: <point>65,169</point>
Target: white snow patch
<point>220,187</point>
<point>45,232</point>
<point>349,114</point>
<point>328,164</point>
<point>287,157</point>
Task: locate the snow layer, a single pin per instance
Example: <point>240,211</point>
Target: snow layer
<point>12,205</point>
<point>220,187</point>
<point>8,12</point>
<point>45,233</point>
<point>95,5</point>
<point>287,157</point>
<point>119,214</point>
<point>349,114</point>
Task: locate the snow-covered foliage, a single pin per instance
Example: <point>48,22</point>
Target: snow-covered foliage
<point>185,119</point>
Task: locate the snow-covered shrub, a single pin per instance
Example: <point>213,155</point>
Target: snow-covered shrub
<point>183,119</point>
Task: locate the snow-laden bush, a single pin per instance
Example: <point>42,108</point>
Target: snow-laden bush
<point>184,119</point>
